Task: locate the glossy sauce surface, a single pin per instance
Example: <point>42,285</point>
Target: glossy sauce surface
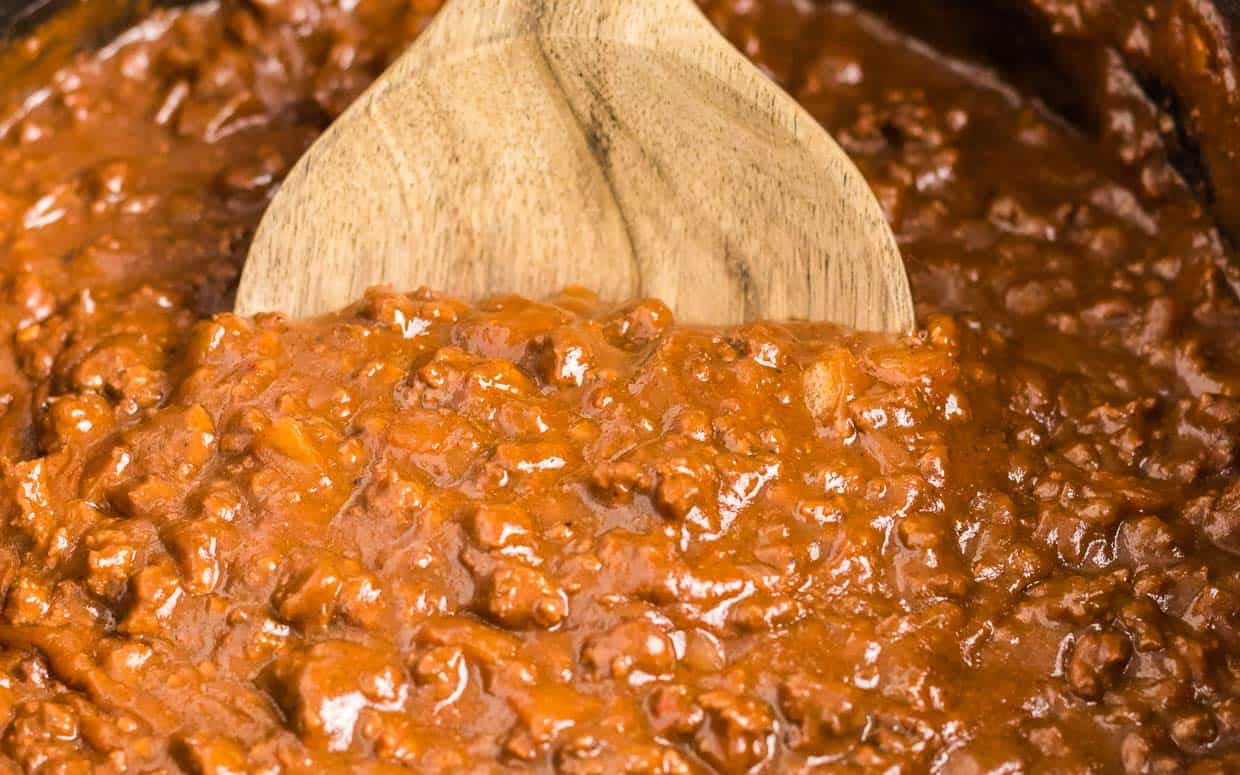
<point>571,535</point>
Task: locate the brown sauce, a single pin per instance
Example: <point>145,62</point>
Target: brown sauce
<point>571,535</point>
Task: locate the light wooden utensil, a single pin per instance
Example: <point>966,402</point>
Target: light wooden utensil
<point>524,145</point>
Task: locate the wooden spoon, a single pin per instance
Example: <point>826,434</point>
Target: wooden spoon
<point>525,145</point>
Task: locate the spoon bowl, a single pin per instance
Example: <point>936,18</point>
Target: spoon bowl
<point>525,145</point>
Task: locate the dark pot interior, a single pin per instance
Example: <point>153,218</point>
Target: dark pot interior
<point>1185,63</point>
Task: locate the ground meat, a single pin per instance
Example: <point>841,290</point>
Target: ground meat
<point>570,534</point>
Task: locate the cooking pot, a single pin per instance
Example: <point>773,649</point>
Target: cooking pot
<point>1079,56</point>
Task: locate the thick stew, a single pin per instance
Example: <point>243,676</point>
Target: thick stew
<point>570,534</point>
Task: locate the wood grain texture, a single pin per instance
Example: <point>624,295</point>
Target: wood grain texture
<point>524,145</point>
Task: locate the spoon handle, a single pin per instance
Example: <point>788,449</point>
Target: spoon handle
<point>647,23</point>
